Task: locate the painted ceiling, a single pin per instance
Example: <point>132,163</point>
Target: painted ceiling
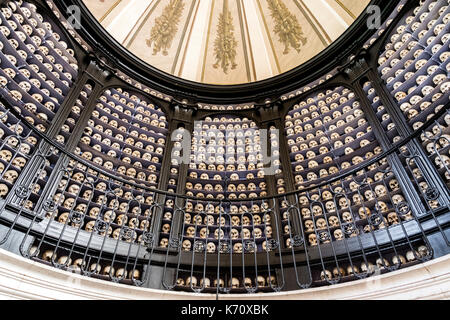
<point>226,41</point>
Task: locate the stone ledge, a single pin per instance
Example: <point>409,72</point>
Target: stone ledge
<point>21,278</point>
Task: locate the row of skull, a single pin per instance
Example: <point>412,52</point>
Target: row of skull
<point>322,229</point>
<point>356,199</point>
<point>79,264</point>
<point>137,120</point>
<point>234,234</point>
<point>126,152</point>
<point>233,283</point>
<point>225,149</point>
<point>122,98</point>
<point>330,97</point>
<point>235,221</point>
<point>327,194</point>
<point>135,172</point>
<point>309,109</point>
<point>109,216</point>
<point>234,209</point>
<point>380,264</point>
<point>42,49</point>
<point>411,47</point>
<point>27,12</point>
<point>103,226</point>
<point>216,166</point>
<point>231,196</point>
<point>311,86</point>
<point>32,84</point>
<point>256,159</point>
<point>332,170</point>
<point>230,188</point>
<point>436,142</point>
<point>128,141</point>
<point>330,159</point>
<point>351,112</point>
<point>429,75</point>
<point>136,84</point>
<point>419,95</point>
<point>36,118</point>
<point>211,247</point>
<point>324,141</point>
<point>402,39</point>
<point>126,206</point>
<point>392,218</point>
<point>437,132</point>
<point>414,23</point>
<point>116,193</point>
<point>223,108</point>
<point>319,124</point>
<point>211,176</point>
<point>128,133</point>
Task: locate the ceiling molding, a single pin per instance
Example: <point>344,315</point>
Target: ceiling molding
<point>333,56</point>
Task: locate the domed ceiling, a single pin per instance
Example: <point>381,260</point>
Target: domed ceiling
<point>226,41</point>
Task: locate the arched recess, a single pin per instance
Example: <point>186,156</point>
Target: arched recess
<point>226,163</point>
<point>414,64</point>
<point>38,68</point>
<point>328,134</point>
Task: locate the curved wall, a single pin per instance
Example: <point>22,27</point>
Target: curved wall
<point>24,279</point>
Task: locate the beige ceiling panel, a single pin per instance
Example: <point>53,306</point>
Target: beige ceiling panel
<point>225,62</point>
<point>160,34</point>
<point>101,9</point>
<point>193,54</point>
<point>355,7</point>
<point>294,36</point>
<point>329,19</point>
<point>226,41</point>
<point>259,45</point>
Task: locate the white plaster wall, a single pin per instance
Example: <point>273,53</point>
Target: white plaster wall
<point>24,279</point>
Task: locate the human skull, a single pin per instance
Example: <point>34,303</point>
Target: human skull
<point>364,212</point>
<point>309,226</point>
<point>398,260</point>
<point>330,206</point>
<point>187,245</point>
<point>338,234</point>
<point>205,283</point>
<point>321,224</point>
<point>164,243</point>
<point>338,272</point>
<point>219,283</point>
<point>382,263</point>
<point>393,218</point>
<point>367,267</point>
<point>312,238</point>
<point>325,275</point>
<point>423,251</point>
<point>317,210</point>
<point>268,231</point>
<point>347,217</point>
<point>246,234</point>
<point>261,282</point>
<point>380,191</point>
<point>48,255</point>
<point>238,247</point>
<point>234,234</point>
<point>204,232</point>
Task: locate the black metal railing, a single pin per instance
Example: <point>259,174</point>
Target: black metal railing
<point>91,221</point>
